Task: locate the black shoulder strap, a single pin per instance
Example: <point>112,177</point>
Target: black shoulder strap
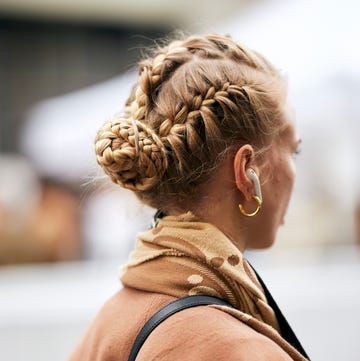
<point>167,311</point>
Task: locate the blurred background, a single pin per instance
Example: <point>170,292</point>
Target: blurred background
<point>65,66</point>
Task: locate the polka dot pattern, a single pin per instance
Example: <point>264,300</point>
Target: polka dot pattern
<point>217,262</point>
<point>233,260</point>
<point>195,279</point>
<point>156,230</point>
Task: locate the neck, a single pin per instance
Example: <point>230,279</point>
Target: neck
<point>226,217</point>
<point>219,206</point>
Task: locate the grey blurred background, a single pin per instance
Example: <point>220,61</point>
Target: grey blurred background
<point>65,66</point>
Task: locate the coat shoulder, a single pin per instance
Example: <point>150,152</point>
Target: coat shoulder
<point>206,333</point>
<point>111,334</point>
<point>198,333</point>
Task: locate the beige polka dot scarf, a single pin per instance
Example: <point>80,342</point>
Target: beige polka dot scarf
<point>183,256</point>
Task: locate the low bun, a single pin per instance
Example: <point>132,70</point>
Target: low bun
<point>131,154</point>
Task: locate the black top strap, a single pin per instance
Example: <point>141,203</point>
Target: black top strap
<point>169,310</point>
<point>286,331</point>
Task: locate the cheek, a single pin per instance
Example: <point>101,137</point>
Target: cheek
<point>286,171</point>
<point>286,186</point>
<point>283,180</point>
<point>291,173</point>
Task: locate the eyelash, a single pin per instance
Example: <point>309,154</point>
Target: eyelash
<point>297,151</point>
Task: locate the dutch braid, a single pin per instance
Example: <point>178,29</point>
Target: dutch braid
<point>193,100</point>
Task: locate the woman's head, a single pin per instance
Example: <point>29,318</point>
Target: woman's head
<point>195,101</point>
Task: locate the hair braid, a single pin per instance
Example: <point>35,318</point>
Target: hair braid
<point>194,99</point>
<point>199,125</point>
<point>153,72</point>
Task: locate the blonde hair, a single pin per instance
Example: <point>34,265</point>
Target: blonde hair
<point>194,100</point>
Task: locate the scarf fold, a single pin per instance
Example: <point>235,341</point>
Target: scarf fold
<point>182,257</point>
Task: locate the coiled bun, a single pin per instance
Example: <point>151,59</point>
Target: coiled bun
<point>131,154</point>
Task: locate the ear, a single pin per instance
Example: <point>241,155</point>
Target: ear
<point>244,159</point>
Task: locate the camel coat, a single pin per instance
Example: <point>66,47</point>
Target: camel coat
<point>199,333</point>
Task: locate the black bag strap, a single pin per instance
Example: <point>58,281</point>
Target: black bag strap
<point>169,310</point>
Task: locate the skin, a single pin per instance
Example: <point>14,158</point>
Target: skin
<point>230,186</point>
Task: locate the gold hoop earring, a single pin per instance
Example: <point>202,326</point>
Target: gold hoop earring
<point>258,201</point>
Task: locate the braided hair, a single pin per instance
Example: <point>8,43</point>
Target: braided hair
<point>194,100</point>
